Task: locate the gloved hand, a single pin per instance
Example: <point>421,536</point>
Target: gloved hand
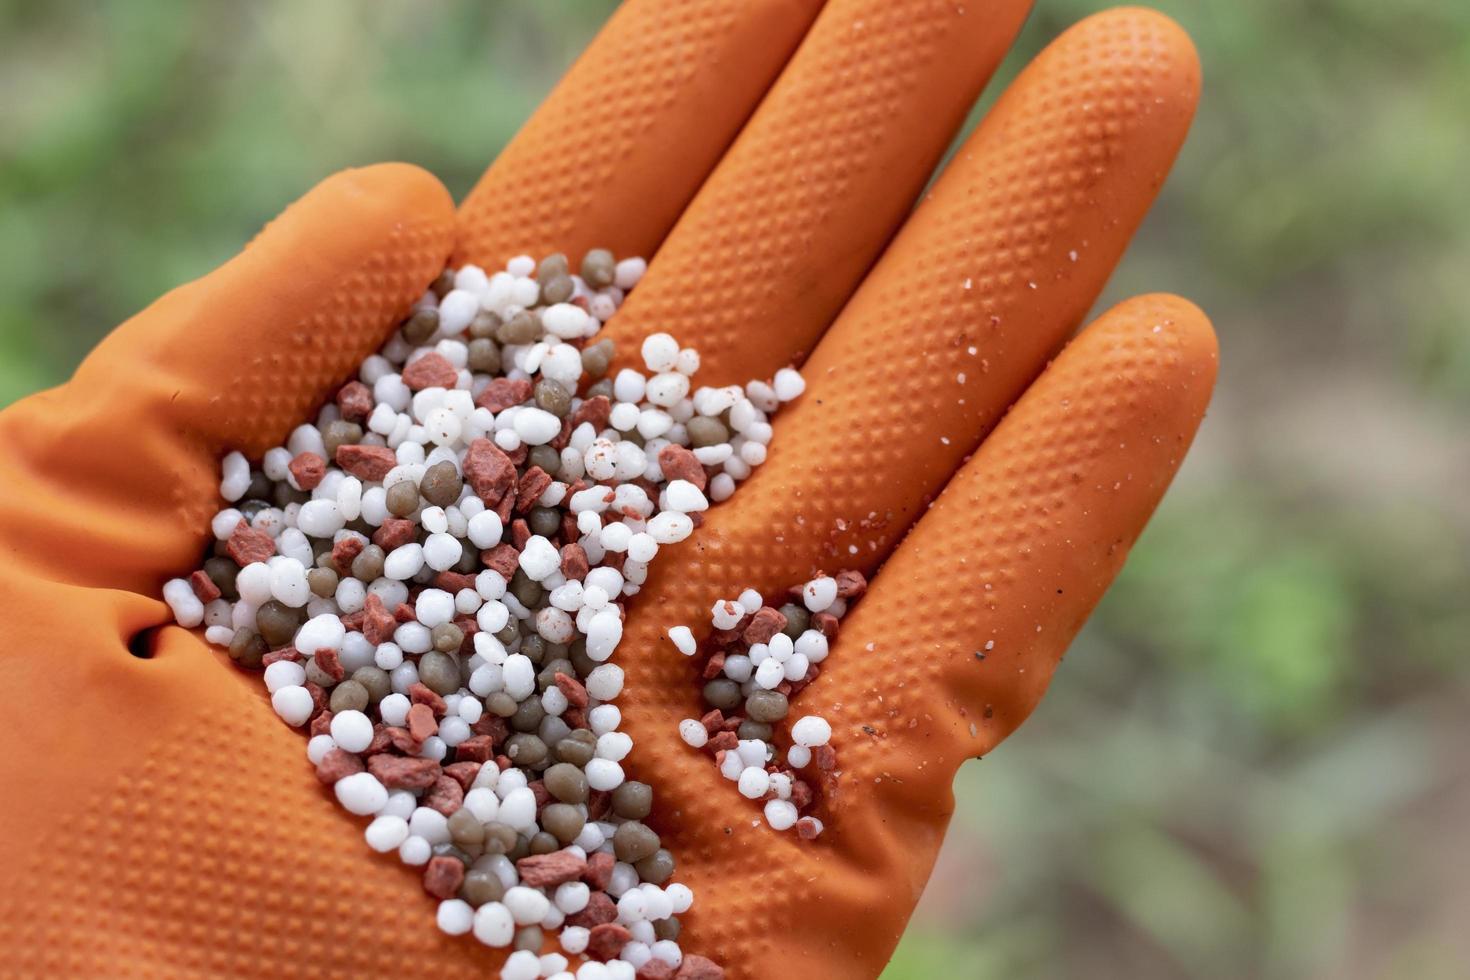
<point>158,819</point>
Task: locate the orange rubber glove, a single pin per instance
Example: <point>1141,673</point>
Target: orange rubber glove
<point>159,820</point>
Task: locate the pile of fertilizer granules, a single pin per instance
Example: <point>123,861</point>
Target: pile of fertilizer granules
<point>756,659</point>
<point>432,576</point>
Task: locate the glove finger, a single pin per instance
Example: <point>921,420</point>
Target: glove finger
<point>1067,162</point>
<point>959,636</point>
<point>110,478</point>
<point>973,611</point>
<point>623,142</point>
<point>1015,552</point>
<point>818,181</point>
<point>895,399</point>
<point>947,332</point>
<point>211,848</point>
<point>985,283</point>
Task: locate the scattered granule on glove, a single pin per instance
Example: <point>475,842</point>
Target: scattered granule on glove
<point>756,660</point>
<point>433,572</point>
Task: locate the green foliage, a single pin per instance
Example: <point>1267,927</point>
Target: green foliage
<point>1213,784</point>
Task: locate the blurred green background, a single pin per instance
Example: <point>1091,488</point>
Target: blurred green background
<point>1251,765</point>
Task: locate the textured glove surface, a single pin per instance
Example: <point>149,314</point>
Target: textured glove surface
<point>159,819</point>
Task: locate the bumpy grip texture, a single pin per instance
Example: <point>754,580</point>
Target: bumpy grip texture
<point>1017,550</point>
<point>816,184</point>
<point>941,338</point>
<point>627,137</point>
<point>162,822</point>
